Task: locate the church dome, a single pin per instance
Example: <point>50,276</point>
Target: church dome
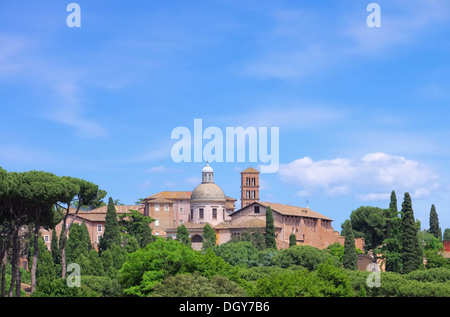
<point>207,192</point>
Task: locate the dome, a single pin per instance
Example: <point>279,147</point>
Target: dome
<point>208,192</point>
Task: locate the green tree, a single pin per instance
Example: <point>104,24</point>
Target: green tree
<point>80,193</point>
<point>270,229</point>
<point>209,237</point>
<point>392,241</point>
<point>369,223</point>
<point>78,243</point>
<point>446,234</point>
<point>56,252</point>
<point>45,271</point>
<point>137,225</point>
<point>292,240</point>
<point>183,235</point>
<point>302,255</point>
<point>350,259</point>
<point>196,285</point>
<point>434,223</point>
<point>112,230</point>
<point>411,251</point>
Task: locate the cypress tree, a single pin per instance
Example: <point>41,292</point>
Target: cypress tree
<point>350,259</point>
<point>411,252</point>
<point>435,230</point>
<point>56,252</point>
<point>270,229</point>
<point>393,238</point>
<point>292,240</point>
<point>447,234</point>
<point>112,230</point>
<point>183,235</point>
<point>209,237</point>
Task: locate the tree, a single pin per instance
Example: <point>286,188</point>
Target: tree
<point>209,237</point>
<point>446,235</point>
<point>369,223</point>
<point>80,193</point>
<point>270,229</point>
<point>137,225</point>
<point>56,252</point>
<point>183,235</point>
<point>350,260</point>
<point>112,230</point>
<point>292,240</point>
<point>411,252</point>
<point>434,223</point>
<point>392,241</point>
<point>79,242</point>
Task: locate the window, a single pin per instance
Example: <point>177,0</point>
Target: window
<point>156,233</point>
<point>200,213</point>
<point>192,214</point>
<point>181,210</point>
<point>46,238</point>
<point>166,207</point>
<point>156,207</point>
<point>181,222</point>
<point>98,238</point>
<point>256,209</point>
<point>174,223</point>
<point>214,213</point>
<point>156,222</point>
<point>99,228</point>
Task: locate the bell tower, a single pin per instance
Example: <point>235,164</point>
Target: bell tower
<point>249,186</point>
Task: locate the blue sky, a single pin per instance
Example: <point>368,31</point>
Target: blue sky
<point>361,111</point>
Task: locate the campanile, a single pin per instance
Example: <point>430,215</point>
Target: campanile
<point>249,186</point>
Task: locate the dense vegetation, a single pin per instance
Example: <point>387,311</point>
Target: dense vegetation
<point>131,261</point>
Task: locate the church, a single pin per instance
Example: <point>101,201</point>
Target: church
<point>208,204</point>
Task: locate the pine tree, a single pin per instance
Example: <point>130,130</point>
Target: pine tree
<point>411,251</point>
<point>112,230</point>
<point>292,240</point>
<point>435,230</point>
<point>209,237</point>
<point>350,259</point>
<point>183,235</point>
<point>270,230</point>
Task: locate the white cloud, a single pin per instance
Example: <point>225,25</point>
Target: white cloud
<point>371,177</point>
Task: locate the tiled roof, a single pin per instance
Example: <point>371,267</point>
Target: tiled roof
<point>250,170</point>
<point>182,195</point>
<point>289,210</point>
<point>99,214</point>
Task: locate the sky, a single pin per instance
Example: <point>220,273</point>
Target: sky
<point>361,110</point>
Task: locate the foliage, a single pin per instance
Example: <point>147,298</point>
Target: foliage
<point>292,240</point>
<point>369,223</point>
<point>392,241</point>
<point>79,242</point>
<point>303,255</point>
<point>209,237</point>
<point>435,230</point>
<point>349,260</point>
<point>411,251</point>
<point>183,235</point>
<point>196,285</point>
<point>112,230</point>
<point>137,225</point>
<point>446,235</point>
<point>270,230</point>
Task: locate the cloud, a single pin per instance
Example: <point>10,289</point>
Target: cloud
<point>371,177</point>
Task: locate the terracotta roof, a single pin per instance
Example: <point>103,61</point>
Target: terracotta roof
<point>171,195</point>
<point>99,214</point>
<point>250,170</point>
<point>289,210</point>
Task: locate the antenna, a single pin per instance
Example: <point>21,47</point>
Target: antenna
<point>307,203</point>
